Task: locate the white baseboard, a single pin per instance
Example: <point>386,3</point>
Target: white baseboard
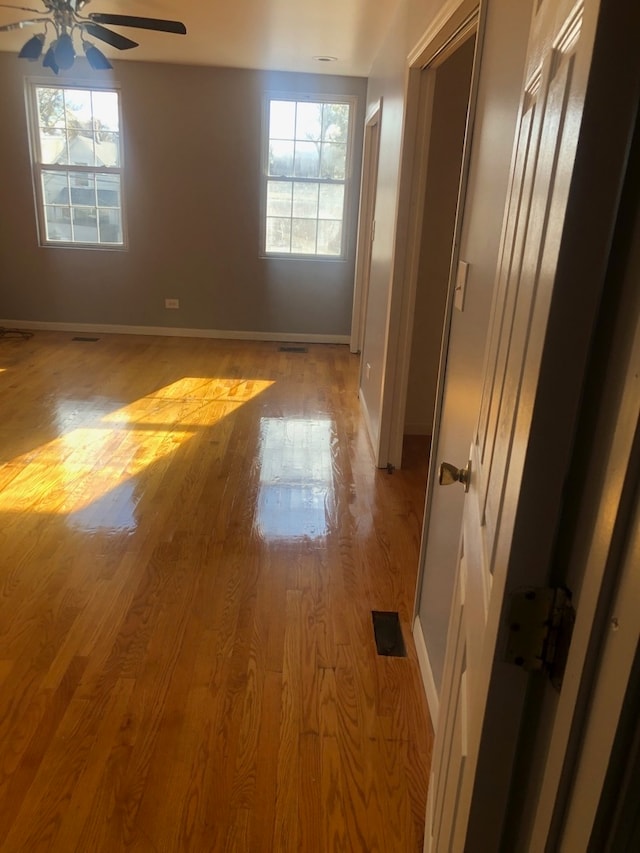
<point>170,331</point>
<point>433,700</point>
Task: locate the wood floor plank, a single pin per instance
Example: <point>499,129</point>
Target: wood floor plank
<point>67,753</point>
<point>31,739</point>
<point>356,737</point>
<point>310,817</point>
<point>264,811</point>
<point>285,833</point>
<point>399,824</point>
<point>90,801</point>
<point>244,776</point>
<point>334,835</point>
<point>192,538</point>
<point>238,836</point>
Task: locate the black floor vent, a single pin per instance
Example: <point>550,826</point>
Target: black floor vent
<point>293,349</point>
<point>86,340</point>
<point>388,634</point>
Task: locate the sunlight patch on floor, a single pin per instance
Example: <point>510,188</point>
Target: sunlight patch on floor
<point>86,463</point>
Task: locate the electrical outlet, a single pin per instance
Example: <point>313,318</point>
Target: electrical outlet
<point>171,303</point>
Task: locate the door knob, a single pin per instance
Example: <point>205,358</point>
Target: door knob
<point>450,474</point>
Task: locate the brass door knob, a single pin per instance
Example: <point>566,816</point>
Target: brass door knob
<point>450,474</point>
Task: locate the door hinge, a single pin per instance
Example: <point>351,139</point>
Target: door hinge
<point>540,627</point>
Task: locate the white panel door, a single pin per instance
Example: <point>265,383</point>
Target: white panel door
<point>458,729</point>
<point>545,149</point>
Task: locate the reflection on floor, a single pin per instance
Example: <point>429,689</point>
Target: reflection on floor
<point>296,478</point>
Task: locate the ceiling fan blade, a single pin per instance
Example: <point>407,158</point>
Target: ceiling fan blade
<point>142,23</point>
<point>21,8</point>
<point>20,24</point>
<point>108,36</point>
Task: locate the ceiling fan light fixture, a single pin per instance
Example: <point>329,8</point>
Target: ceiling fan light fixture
<point>49,60</point>
<point>64,51</point>
<point>32,49</point>
<point>95,57</point>
<point>66,21</point>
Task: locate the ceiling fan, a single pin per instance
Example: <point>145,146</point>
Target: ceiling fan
<point>62,19</point>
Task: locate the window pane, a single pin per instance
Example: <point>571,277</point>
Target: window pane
<point>278,198</point>
<point>110,225</point>
<point>303,236</point>
<point>81,149</point>
<point>334,159</point>
<point>53,146</point>
<point>83,188</point>
<point>305,201</point>
<point>107,148</point>
<point>307,160</point>
<point>278,235</point>
<point>282,119</point>
<point>78,109</point>
<point>281,159</point>
<point>108,187</point>
<point>331,201</point>
<point>58,223</point>
<point>85,224</point>
<point>55,188</point>
<point>105,111</point>
<point>50,107</point>
<point>309,121</point>
<point>335,122</point>
<point>329,237</point>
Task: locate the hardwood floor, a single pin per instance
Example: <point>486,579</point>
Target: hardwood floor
<point>192,539</point>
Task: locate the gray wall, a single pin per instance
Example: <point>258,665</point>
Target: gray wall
<point>192,148</point>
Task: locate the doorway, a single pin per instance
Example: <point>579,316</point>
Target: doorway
<point>366,225</point>
<point>446,100</point>
<point>428,171</point>
<point>495,101</point>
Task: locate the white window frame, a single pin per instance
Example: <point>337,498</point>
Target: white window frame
<point>299,97</point>
<point>38,166</point>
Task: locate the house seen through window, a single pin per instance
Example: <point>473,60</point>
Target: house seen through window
<point>77,165</point>
<point>306,177</point>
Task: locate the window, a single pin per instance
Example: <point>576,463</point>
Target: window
<point>77,165</point>
<point>306,177</point>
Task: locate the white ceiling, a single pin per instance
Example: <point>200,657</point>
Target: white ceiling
<point>280,35</point>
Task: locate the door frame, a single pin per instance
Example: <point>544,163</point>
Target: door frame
<point>602,787</point>
<point>457,20</point>
<point>618,639</point>
<point>366,225</point>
